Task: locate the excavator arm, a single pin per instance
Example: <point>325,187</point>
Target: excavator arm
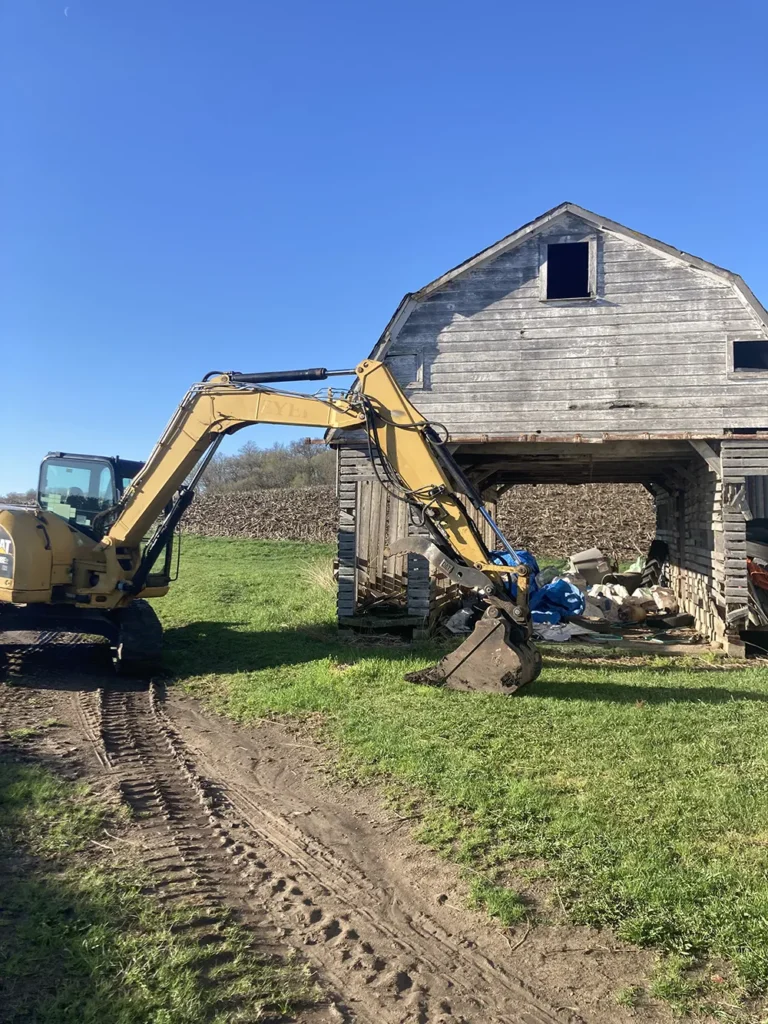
<point>411,459</point>
<point>408,450</point>
<point>207,413</point>
<point>397,432</point>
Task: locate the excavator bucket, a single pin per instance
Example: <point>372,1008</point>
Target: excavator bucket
<point>495,658</point>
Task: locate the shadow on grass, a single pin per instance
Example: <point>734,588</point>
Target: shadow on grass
<point>45,975</point>
<point>661,665</point>
<point>211,647</point>
<point>206,647</point>
<point>620,692</point>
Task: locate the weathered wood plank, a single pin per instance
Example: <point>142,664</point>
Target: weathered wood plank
<point>597,388</point>
<point>504,417</point>
<point>712,460</point>
<point>613,366</point>
<point>689,308</point>
<point>500,320</point>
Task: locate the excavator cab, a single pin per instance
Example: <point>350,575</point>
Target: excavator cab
<point>86,490</point>
<point>81,488</point>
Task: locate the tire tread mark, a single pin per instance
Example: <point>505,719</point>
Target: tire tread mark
<point>416,954</point>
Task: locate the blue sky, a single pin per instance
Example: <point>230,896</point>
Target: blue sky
<point>190,185</point>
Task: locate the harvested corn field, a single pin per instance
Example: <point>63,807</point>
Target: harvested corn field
<point>548,519</point>
<point>278,513</point>
<point>555,519</point>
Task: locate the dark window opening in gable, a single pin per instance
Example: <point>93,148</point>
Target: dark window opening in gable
<point>750,355</point>
<point>568,270</point>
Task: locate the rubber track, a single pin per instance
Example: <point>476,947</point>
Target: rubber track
<point>227,848</point>
<point>32,658</point>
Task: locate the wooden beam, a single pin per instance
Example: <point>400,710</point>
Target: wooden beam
<point>709,456</point>
<point>735,497</point>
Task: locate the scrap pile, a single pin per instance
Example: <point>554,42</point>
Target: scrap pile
<point>590,602</point>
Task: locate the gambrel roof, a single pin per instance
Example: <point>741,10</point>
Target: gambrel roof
<point>411,299</point>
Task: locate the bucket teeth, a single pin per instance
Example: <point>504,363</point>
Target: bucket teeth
<point>495,658</point>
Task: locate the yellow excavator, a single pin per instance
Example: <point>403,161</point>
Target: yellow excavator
<point>99,541</point>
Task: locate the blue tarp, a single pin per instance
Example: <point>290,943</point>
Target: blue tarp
<point>555,601</point>
<point>550,603</point>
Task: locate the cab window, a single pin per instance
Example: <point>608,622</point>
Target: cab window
<point>76,489</point>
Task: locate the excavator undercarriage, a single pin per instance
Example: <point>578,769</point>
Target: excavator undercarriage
<point>134,632</point>
<point>88,556</point>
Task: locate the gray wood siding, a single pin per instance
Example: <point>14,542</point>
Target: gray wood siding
<point>649,354</point>
<point>368,520</point>
<point>348,468</point>
<point>689,519</point>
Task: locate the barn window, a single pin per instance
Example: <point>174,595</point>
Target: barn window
<point>568,270</point>
<point>750,355</point>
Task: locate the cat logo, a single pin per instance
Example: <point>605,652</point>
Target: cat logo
<point>6,555</point>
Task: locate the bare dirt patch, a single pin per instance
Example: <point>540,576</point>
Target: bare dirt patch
<point>247,818</point>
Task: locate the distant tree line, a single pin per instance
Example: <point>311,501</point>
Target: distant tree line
<point>19,497</point>
<point>299,464</point>
<point>303,463</point>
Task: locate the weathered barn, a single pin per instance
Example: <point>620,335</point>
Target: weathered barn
<point>577,350</point>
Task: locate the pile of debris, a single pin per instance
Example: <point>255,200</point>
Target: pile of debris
<point>591,602</point>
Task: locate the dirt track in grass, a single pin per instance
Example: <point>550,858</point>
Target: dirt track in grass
<point>247,818</point>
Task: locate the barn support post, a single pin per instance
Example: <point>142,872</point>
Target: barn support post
<point>689,519</point>
<point>745,477</point>
<point>346,488</point>
<point>370,518</point>
<point>418,586</point>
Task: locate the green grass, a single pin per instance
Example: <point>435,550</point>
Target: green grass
<point>83,940</point>
<point>628,996</point>
<point>24,732</point>
<point>641,786</point>
<point>500,902</point>
<point>27,732</point>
